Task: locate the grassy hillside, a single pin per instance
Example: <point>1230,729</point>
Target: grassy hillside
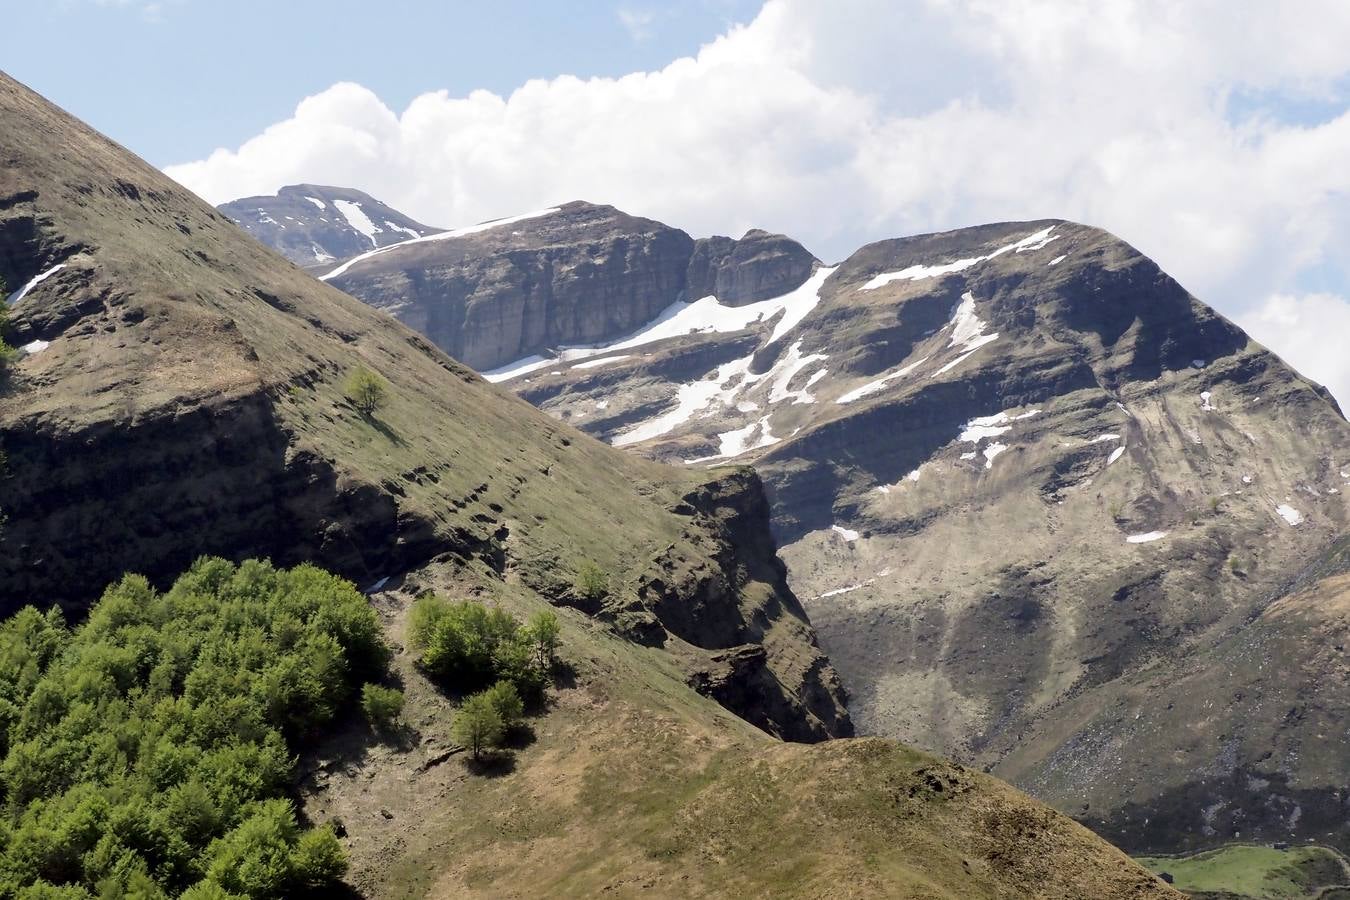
<point>1256,873</point>
<point>631,784</point>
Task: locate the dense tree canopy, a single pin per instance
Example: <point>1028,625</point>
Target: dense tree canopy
<point>148,751</point>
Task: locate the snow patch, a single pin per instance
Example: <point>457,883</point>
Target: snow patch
<point>36,346</point>
<point>738,441</point>
<point>1146,538</point>
<point>1059,259</point>
<point>357,218</point>
<point>837,591</point>
<point>847,534</point>
<point>34,282</point>
<point>1205,404</point>
<point>410,232</point>
<point>317,202</point>
<point>919,272</point>
<point>991,451</point>
<point>873,387</point>
<point>1115,455</point>
<point>1289,514</point>
<point>519,367</point>
<point>320,255</point>
<point>787,368</point>
<point>1104,437</point>
<point>441,236</point>
<point>596,363</point>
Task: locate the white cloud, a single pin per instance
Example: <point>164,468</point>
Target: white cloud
<point>841,123</point>
<point>1311,331</point>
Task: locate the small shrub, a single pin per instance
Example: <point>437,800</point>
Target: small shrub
<point>7,353</point>
<point>381,705</point>
<point>591,582</point>
<point>478,725</point>
<point>366,390</point>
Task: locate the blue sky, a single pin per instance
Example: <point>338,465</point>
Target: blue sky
<point>1211,134</point>
<point>175,79</point>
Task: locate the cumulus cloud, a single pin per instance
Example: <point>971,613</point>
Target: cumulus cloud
<point>1170,124</point>
<point>1310,331</point>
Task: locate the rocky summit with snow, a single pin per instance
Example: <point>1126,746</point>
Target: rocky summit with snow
<point>1025,484</point>
<point>312,225</point>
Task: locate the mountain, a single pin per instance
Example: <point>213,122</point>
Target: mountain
<point>181,393</point>
<point>313,225</point>
<point>1026,484</point>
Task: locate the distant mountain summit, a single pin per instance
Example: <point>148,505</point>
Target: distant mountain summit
<point>314,225</point>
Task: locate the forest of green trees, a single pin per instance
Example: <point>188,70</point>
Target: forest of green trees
<point>149,751</point>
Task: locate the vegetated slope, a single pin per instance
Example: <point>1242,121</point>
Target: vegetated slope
<point>183,396</point>
<point>314,225</point>
<point>1255,872</point>
<point>630,784</point>
<point>1023,479</point>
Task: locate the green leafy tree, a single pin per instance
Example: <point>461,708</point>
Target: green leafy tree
<point>544,632</point>
<point>381,705</point>
<point>505,699</point>
<point>366,390</point>
<point>478,725</point>
<point>591,581</point>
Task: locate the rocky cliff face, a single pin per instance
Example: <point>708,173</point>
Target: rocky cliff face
<point>314,225</point>
<point>758,266</point>
<point>181,393</point>
<point>1024,482</point>
<point>493,293</point>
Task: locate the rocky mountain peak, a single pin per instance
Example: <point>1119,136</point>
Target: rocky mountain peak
<point>315,225</point>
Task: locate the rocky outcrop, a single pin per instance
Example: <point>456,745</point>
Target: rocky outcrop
<point>315,225</point>
<point>758,266</point>
<point>581,274</point>
<point>735,601</point>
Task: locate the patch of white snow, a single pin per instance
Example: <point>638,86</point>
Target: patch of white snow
<point>1146,538</point>
<point>357,218</point>
<point>441,236</point>
<point>596,363</point>
<point>919,272</point>
<point>34,282</point>
<point>1289,514</point>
